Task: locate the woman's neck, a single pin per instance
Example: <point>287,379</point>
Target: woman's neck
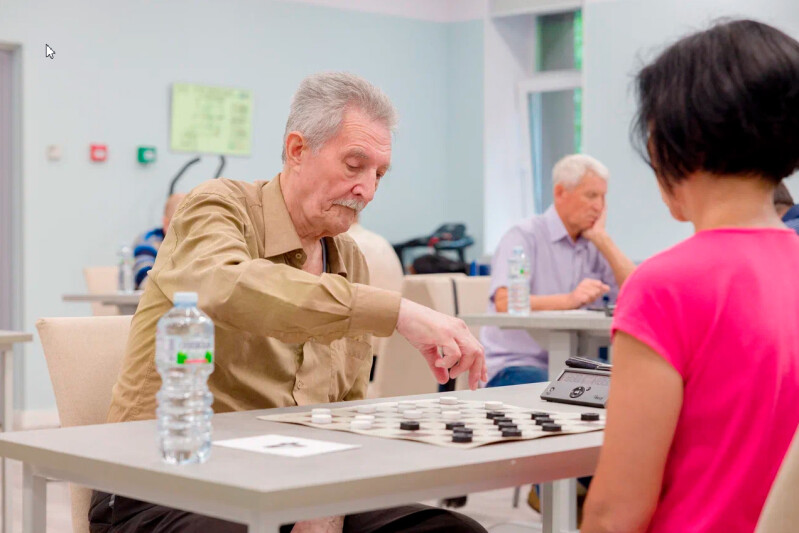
<point>711,202</point>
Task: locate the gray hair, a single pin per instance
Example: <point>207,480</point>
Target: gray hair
<point>318,106</point>
<point>571,169</point>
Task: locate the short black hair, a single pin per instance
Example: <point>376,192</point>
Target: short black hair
<point>723,101</point>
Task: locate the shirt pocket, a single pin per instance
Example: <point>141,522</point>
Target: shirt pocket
<point>350,358</point>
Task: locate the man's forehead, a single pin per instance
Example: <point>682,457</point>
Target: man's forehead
<point>361,145</point>
<point>358,124</point>
<point>593,180</point>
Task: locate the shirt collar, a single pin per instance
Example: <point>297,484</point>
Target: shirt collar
<point>280,236</point>
<point>557,230</point>
<point>555,227</point>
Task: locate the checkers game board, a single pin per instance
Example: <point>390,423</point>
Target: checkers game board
<point>446,421</point>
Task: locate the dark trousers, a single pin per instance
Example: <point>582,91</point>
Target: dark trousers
<point>127,515</point>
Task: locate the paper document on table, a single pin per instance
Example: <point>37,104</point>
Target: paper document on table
<point>285,445</point>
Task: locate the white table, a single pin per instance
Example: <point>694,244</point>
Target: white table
<point>126,302</point>
<point>558,332</point>
<point>265,491</point>
<point>7,341</point>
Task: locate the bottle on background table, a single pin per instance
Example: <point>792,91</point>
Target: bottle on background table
<point>518,282</point>
<point>126,264</point>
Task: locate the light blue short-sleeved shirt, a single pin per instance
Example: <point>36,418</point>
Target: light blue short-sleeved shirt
<point>557,266</point>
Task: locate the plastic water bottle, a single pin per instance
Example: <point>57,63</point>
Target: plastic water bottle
<point>518,283</point>
<point>184,357</point>
<point>126,263</point>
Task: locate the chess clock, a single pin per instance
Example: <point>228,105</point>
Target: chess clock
<point>579,386</point>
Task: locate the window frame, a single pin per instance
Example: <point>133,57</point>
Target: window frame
<point>542,82</point>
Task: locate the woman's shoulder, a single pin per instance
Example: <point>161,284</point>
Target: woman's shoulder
<point>675,264</point>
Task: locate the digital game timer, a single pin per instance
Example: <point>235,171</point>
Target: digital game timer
<point>584,382</point>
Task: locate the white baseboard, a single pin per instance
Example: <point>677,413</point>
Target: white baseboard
<point>36,419</point>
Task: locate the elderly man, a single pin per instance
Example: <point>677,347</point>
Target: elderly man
<point>147,244</point>
<point>573,262</point>
<point>288,294</point>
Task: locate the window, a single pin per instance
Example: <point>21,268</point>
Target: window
<point>551,101</point>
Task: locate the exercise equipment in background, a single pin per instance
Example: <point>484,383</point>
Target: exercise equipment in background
<point>449,237</point>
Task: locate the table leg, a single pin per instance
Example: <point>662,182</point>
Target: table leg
<point>7,379</point>
<point>34,501</point>
<point>561,345</point>
<point>559,498</point>
<point>559,506</point>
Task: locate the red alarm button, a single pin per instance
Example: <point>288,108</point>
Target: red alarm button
<point>98,152</point>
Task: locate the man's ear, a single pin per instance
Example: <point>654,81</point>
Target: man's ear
<point>295,144</point>
<point>558,191</point>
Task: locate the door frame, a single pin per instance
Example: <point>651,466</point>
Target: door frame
<point>16,259</point>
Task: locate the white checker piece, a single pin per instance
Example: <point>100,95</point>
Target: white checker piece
<point>432,430</point>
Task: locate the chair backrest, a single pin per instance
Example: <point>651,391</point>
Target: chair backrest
<point>385,269</point>
<point>102,280</point>
<point>83,356</point>
<point>472,293</point>
<point>781,512</point>
<point>400,369</point>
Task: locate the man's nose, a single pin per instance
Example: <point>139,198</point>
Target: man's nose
<point>600,204</point>
<point>366,188</point>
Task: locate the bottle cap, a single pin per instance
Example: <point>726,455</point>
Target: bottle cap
<point>185,298</point>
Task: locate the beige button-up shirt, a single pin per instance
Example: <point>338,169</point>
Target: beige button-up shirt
<point>283,336</point>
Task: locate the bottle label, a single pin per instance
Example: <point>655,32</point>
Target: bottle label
<point>189,351</point>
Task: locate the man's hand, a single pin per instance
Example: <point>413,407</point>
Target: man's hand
<point>598,229</point>
<point>586,292</point>
<point>428,331</point>
<point>333,524</point>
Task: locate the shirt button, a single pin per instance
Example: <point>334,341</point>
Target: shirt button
<point>298,256</point>
<point>299,384</point>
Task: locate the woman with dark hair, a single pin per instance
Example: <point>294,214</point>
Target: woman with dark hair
<point>704,395</point>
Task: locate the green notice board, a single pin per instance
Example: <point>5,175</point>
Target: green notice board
<point>212,120</point>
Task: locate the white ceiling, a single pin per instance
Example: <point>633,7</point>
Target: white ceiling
<point>432,10</point>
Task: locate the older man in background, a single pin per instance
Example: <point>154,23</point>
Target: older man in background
<point>288,293</point>
<point>147,244</point>
<point>573,263</point>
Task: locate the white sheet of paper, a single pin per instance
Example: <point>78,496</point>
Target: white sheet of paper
<point>285,445</point>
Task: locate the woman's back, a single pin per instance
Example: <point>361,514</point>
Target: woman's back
<point>723,309</point>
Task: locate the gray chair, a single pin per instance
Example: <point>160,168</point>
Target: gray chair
<point>102,280</point>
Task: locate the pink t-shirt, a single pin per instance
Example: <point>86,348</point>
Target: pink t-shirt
<point>722,308</point>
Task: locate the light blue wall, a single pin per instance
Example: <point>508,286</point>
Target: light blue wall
<point>464,194</point>
<point>618,35</point>
<point>110,80</point>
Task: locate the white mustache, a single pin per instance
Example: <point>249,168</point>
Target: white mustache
<point>355,205</point>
